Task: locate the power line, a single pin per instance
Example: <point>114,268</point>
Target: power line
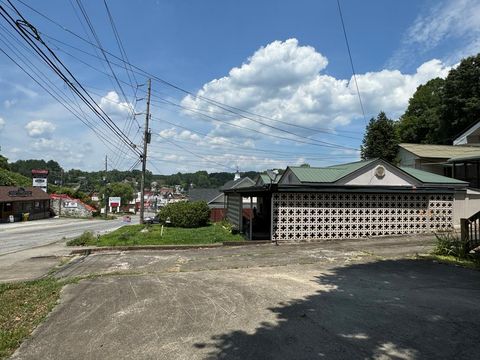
<point>115,77</point>
<point>50,87</point>
<point>225,107</point>
<point>327,145</point>
<point>351,61</point>
<point>237,145</point>
<point>28,32</point>
<point>193,153</point>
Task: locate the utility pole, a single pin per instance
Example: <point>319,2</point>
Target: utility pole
<point>105,184</point>
<point>146,141</point>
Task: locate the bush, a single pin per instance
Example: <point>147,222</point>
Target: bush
<point>185,214</point>
<point>87,238</point>
<point>228,226</point>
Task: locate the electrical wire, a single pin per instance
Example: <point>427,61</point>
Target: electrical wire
<point>28,33</point>
<point>225,107</point>
<point>193,153</point>
<point>46,84</point>
<point>351,61</point>
<point>165,101</point>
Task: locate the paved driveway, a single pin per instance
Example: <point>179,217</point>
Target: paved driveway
<point>338,300</point>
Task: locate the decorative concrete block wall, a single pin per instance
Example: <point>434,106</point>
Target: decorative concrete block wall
<point>316,216</point>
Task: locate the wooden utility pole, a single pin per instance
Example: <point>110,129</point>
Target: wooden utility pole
<point>105,190</point>
<point>146,141</point>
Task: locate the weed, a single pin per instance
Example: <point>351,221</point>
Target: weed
<point>87,238</point>
<point>450,244</point>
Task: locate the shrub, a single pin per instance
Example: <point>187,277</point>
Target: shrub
<point>185,214</point>
<point>87,238</point>
<point>228,226</point>
<point>450,244</point>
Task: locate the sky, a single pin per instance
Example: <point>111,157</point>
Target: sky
<point>252,85</point>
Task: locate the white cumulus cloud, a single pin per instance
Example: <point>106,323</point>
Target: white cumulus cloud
<point>284,81</point>
<point>2,124</point>
<point>40,129</point>
<point>112,105</point>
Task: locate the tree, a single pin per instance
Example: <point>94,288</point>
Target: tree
<point>420,123</point>
<point>381,139</point>
<point>4,163</point>
<point>123,190</point>
<point>461,99</point>
<point>305,165</point>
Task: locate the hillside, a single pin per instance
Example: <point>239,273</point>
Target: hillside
<point>9,178</point>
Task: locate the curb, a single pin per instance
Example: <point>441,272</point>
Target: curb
<point>88,251</point>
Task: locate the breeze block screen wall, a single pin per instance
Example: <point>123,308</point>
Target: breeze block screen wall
<point>316,216</point>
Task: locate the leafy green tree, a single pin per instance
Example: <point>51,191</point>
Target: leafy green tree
<point>4,163</point>
<point>381,139</point>
<point>10,178</point>
<point>305,165</point>
<point>420,123</point>
<point>123,190</point>
<point>461,99</point>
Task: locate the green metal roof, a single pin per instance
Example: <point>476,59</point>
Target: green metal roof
<point>427,177</point>
<point>328,174</point>
<point>332,174</point>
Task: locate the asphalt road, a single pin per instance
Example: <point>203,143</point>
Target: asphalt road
<point>27,235</point>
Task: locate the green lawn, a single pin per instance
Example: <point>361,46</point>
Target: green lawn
<point>132,235</point>
<point>23,306</point>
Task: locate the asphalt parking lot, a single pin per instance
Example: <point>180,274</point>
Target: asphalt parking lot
<point>338,300</point>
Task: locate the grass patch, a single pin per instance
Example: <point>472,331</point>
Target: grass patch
<point>23,306</point>
<point>452,260</point>
<point>133,235</point>
<point>85,239</point>
<point>451,249</point>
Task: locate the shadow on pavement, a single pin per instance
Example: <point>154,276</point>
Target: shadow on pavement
<point>387,310</point>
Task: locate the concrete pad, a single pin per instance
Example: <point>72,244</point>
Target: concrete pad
<point>331,253</point>
<point>392,309</point>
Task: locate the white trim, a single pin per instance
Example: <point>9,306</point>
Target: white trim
<point>462,139</point>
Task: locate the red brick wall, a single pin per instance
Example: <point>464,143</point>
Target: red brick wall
<point>217,214</point>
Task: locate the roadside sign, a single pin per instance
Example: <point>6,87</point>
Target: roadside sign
<point>114,201</point>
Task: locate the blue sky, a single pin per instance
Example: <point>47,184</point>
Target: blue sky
<point>276,74</point>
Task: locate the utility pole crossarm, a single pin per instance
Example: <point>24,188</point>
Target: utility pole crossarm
<point>146,141</point>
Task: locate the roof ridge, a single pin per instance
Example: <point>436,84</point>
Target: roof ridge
<point>334,166</point>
